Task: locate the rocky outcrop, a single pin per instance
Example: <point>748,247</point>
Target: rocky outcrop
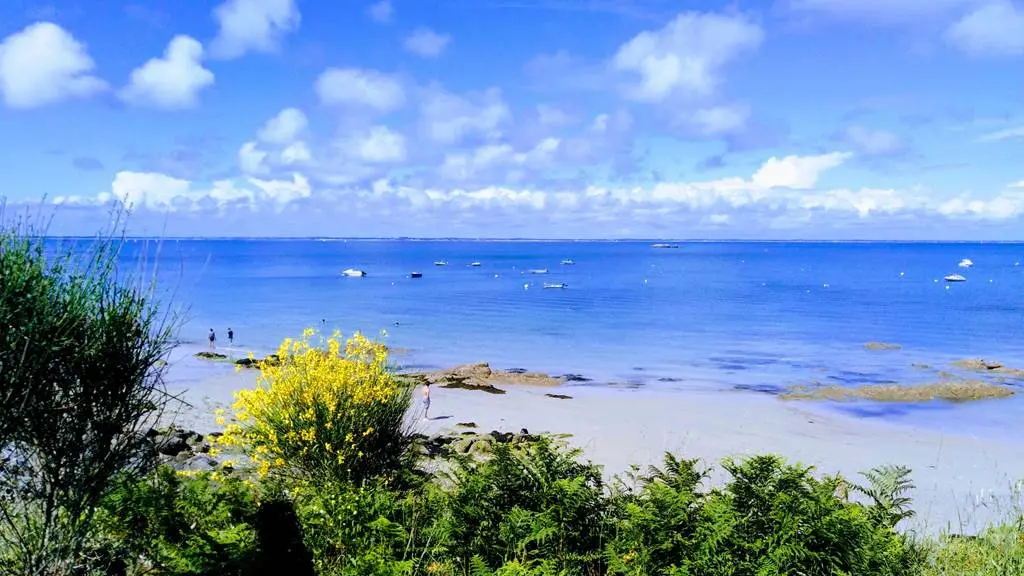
<point>211,356</point>
<point>882,346</point>
<point>989,366</point>
<point>559,396</point>
<point>271,360</point>
<point>469,443</point>
<point>481,377</point>
<point>181,449</point>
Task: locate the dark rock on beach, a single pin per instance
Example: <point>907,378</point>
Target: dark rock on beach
<point>271,360</point>
<point>576,378</point>
<point>471,443</point>
<point>211,355</point>
<point>881,346</point>
<point>481,377</point>
<point>559,396</point>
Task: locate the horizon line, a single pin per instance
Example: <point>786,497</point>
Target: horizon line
<point>564,240</point>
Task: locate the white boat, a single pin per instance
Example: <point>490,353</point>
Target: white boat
<point>664,245</point>
<point>474,264</point>
<point>567,262</point>
<point>353,273</point>
<point>416,275</point>
<point>538,271</point>
<point>440,263</point>
<point>965,263</point>
<point>560,285</point>
<point>955,278</point>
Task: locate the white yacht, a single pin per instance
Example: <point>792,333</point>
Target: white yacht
<point>353,273</point>
<point>567,262</point>
<point>474,264</point>
<point>440,263</point>
<point>559,285</point>
<point>955,278</point>
<point>538,271</point>
<point>965,263</point>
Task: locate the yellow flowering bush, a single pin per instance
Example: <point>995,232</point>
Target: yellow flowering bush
<point>329,410</point>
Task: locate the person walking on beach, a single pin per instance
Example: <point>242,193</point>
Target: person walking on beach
<point>231,336</point>
<point>426,400</point>
<point>213,338</point>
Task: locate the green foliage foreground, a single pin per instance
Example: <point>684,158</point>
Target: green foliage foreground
<point>80,381</point>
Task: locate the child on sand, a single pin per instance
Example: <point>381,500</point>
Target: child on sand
<point>426,400</point>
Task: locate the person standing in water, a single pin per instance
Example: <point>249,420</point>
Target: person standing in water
<point>426,400</point>
<point>212,337</point>
<point>231,336</point>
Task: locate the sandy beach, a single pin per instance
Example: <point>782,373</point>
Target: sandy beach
<point>963,482</point>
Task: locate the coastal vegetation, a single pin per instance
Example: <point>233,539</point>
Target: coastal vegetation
<point>320,471</point>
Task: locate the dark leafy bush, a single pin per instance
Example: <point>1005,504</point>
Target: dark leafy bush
<point>80,380</point>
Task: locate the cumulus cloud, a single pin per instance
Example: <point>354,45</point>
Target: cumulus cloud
<point>171,82</point>
<point>994,29</point>
<point>284,128</point>
<point>796,172</point>
<point>367,89</point>
<point>449,118</point>
<point>686,56</point>
<point>426,43</point>
<point>44,64</point>
<point>783,194</point>
<point>379,144</point>
<point>252,26</point>
<point>381,12</point>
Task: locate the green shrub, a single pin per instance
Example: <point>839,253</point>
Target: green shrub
<point>533,504</point>
<point>184,526</point>
<point>80,380</point>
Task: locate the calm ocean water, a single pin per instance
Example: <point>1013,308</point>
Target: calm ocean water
<point>703,315</point>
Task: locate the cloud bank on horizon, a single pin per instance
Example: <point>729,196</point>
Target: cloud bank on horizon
<point>539,118</point>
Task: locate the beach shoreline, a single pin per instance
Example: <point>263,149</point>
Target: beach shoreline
<point>964,481</point>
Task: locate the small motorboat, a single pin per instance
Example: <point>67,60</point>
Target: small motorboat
<point>538,271</point>
<point>416,275</point>
<point>955,278</point>
<point>559,285</point>
<point>474,264</point>
<point>353,273</point>
<point>664,245</point>
<point>440,263</point>
<point>567,262</point>
<point>965,263</point>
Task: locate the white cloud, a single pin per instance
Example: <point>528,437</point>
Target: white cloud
<point>686,56</point>
<point>379,144</point>
<point>284,128</point>
<point>995,29</point>
<point>448,118</point>
<point>781,194</point>
<point>714,120</point>
<point>296,153</point>
<point>426,43</point>
<point>357,87</point>
<point>252,160</point>
<point>797,172</point>
<point>1006,134</point>
<point>873,142</point>
<point>173,81</point>
<point>43,64</point>
<point>159,192</point>
<point>381,12</point>
<point>252,26</point>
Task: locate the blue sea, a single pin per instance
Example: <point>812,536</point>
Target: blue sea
<point>722,317</point>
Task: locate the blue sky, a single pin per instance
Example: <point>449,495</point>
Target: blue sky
<point>806,119</point>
